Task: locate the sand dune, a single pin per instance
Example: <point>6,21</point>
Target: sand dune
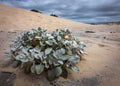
<point>24,19</point>
<point>100,67</point>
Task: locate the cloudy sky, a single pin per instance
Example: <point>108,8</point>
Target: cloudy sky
<point>87,11</point>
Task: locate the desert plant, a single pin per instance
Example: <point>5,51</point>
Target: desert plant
<point>54,15</point>
<point>34,10</point>
<point>36,51</point>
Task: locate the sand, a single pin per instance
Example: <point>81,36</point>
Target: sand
<point>100,67</point>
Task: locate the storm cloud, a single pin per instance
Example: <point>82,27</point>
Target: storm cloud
<point>87,11</point>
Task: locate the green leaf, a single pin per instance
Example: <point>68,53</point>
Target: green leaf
<point>49,36</point>
<point>47,51</point>
<point>36,56</point>
<point>54,54</point>
<point>58,38</point>
<point>49,42</point>
<point>39,68</point>
<point>56,64</point>
<point>64,57</point>
<point>60,62</point>
<point>54,73</point>
<point>33,68</point>
<point>74,68</point>
<point>38,37</point>
<point>69,51</point>
<point>22,58</point>
<point>50,62</point>
<point>39,28</point>
<point>41,54</point>
<point>46,65</point>
<point>54,41</point>
<point>58,53</point>
<point>15,64</point>
<point>81,51</point>
<point>41,43</point>
<point>58,71</point>
<point>12,48</point>
<point>74,59</point>
<point>64,73</point>
<point>62,50</point>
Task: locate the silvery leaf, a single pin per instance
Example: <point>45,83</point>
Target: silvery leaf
<point>56,64</point>
<point>46,65</point>
<point>81,51</point>
<point>33,68</point>
<point>69,52</point>
<point>50,62</point>
<point>36,56</point>
<point>25,51</point>
<point>74,59</point>
<point>74,68</point>
<point>40,55</point>
<point>39,68</point>
<point>49,42</point>
<point>54,41</point>
<point>54,54</point>
<point>59,53</point>
<point>37,37</point>
<point>54,73</point>
<point>62,50</point>
<point>58,38</point>
<point>48,51</point>
<point>60,62</point>
<point>15,64</point>
<point>64,57</point>
<point>22,58</point>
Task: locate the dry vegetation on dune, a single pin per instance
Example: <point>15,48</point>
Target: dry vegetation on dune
<point>100,67</point>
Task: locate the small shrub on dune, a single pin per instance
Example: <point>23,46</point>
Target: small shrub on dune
<point>54,15</point>
<point>34,10</point>
<point>37,51</point>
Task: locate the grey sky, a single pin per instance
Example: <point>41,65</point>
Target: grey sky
<point>87,11</point>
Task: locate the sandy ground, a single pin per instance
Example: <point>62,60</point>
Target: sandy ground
<point>100,67</point>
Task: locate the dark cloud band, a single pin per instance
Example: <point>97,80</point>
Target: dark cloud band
<point>87,11</point>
